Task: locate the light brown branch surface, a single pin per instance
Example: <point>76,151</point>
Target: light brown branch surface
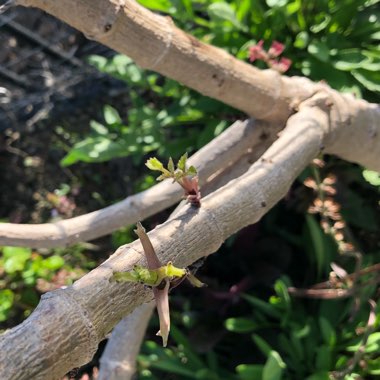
<point>155,43</point>
<point>64,330</point>
<point>354,130</point>
<point>212,158</point>
<point>118,361</point>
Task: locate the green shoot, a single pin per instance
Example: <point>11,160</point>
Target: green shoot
<point>185,176</point>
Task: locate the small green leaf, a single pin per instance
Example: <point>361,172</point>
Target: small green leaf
<point>328,333</point>
<point>263,346</point>
<point>240,325</point>
<point>373,343</point>
<point>250,371</point>
<point>54,262</point>
<point>263,306</point>
<point>323,358</point>
<point>373,366</point>
<point>372,177</point>
<point>274,367</point>
<point>322,25</point>
<point>111,116</point>
<point>276,3</point>
<point>171,165</point>
<point>154,164</point>
<point>98,128</point>
<point>182,162</point>
<point>282,291</point>
<point>369,79</point>
<point>98,61</point>
<point>15,258</point>
<point>158,5</point>
<point>191,171</point>
<point>350,59</point>
<point>302,40</point>
<point>96,149</point>
<point>319,50</point>
<point>195,281</point>
<point>6,302</point>
<point>224,12</point>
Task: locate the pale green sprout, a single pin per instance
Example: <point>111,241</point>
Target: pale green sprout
<point>150,277</point>
<point>171,172</point>
<point>159,277</point>
<point>154,277</point>
<point>186,177</point>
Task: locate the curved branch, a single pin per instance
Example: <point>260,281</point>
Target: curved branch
<point>354,133</point>
<point>118,361</point>
<point>213,157</point>
<point>50,342</point>
<point>126,27</point>
<point>155,43</point>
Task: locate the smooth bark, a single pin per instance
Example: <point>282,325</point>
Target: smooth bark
<point>210,160</point>
<point>155,43</point>
<point>118,361</point>
<point>354,130</point>
<point>64,330</point>
<point>66,327</point>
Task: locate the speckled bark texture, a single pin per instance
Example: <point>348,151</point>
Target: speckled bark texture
<point>213,158</point>
<point>64,330</point>
<point>154,42</point>
<point>118,361</point>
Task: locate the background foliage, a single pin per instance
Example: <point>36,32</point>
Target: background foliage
<point>245,325</point>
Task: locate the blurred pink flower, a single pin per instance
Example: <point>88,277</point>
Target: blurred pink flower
<point>276,49</point>
<point>270,57</point>
<point>257,51</point>
<point>282,65</point>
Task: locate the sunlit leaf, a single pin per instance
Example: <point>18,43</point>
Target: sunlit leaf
<point>111,116</point>
<point>182,162</point>
<point>240,325</point>
<point>274,367</point>
<point>171,165</point>
<point>372,177</point>
<point>154,164</point>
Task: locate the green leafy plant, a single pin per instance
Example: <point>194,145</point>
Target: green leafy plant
<point>330,334</point>
<point>25,274</point>
<point>165,122</point>
<point>305,347</point>
<point>182,361</point>
<point>333,41</point>
<point>21,269</point>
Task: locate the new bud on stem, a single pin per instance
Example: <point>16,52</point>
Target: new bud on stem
<point>159,277</point>
<point>186,177</point>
